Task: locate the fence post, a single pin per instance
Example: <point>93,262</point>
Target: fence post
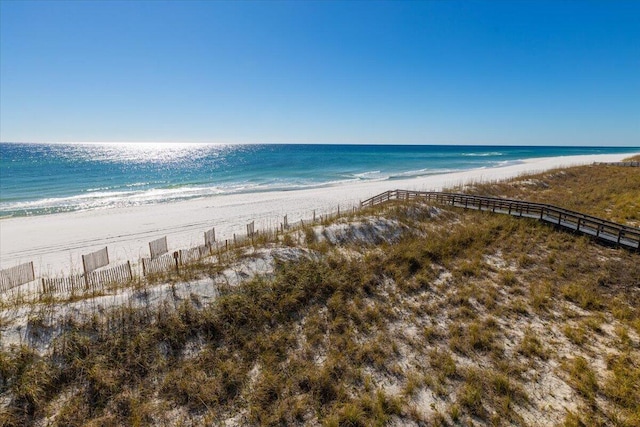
<point>176,256</point>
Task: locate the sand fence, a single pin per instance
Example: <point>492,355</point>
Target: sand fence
<point>98,275</point>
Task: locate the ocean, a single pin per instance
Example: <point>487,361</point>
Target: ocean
<point>40,179</point>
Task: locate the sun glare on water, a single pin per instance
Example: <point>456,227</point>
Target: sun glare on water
<point>148,152</point>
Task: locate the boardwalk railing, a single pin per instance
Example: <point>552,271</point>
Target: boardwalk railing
<point>628,164</point>
<point>601,229</point>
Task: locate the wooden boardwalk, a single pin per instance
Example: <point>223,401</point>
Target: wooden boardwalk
<point>605,231</point>
<point>627,164</point>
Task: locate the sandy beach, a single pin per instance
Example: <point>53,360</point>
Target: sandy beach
<point>56,242</point>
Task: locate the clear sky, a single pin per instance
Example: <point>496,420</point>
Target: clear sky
<point>434,72</point>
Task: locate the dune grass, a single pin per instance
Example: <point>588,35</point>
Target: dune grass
<point>467,318</point>
<point>609,192</point>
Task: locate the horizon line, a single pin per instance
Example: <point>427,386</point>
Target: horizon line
<point>317,143</point>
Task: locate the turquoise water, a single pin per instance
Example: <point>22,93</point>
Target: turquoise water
<point>37,179</point>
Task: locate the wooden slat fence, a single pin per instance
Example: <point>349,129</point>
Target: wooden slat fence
<point>210,237</point>
<point>188,256</point>
<point>95,260</point>
<point>119,274</point>
<point>158,247</point>
<point>16,276</point>
<point>69,284</point>
<point>94,280</point>
<point>161,261</point>
<point>601,229</point>
<point>158,265</point>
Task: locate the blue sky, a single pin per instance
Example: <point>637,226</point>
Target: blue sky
<point>435,72</point>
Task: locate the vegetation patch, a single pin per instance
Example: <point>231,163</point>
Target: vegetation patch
<point>461,317</point>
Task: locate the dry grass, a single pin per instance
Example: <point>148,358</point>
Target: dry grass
<point>468,318</point>
<point>609,192</point>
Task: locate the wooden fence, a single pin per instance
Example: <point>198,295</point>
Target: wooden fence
<point>158,265</point>
<point>159,262</point>
<point>95,260</point>
<point>16,276</point>
<point>93,280</point>
<point>119,274</point>
<point>69,284</point>
<point>158,247</point>
<point>210,237</point>
<point>601,229</point>
<point>172,261</point>
<point>188,256</point>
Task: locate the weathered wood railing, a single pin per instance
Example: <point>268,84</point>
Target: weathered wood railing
<point>633,164</point>
<point>601,229</point>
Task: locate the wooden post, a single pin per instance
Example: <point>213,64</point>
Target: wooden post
<point>130,272</point>
<point>176,256</point>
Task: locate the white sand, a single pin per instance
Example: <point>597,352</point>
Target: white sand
<point>56,242</point>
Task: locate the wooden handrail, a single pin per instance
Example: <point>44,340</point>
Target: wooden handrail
<point>599,228</point>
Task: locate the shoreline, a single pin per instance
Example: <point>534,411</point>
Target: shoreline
<point>56,242</point>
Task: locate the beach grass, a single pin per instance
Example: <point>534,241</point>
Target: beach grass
<point>465,317</point>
